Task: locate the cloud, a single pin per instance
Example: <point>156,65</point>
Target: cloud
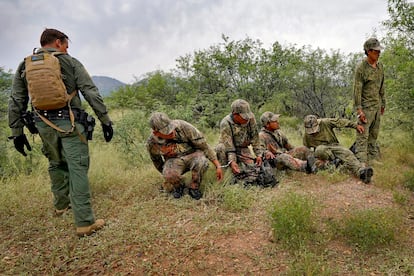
<point>128,38</point>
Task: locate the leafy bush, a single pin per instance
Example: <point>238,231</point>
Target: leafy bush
<point>292,220</point>
<point>132,131</point>
<point>368,229</point>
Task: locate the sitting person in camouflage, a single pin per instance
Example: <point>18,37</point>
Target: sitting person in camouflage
<point>319,134</point>
<point>238,131</point>
<point>280,153</point>
<point>176,147</point>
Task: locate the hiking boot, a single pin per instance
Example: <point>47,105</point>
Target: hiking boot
<point>178,192</point>
<point>59,213</point>
<point>310,164</point>
<point>366,174</point>
<point>195,193</point>
<point>89,230</point>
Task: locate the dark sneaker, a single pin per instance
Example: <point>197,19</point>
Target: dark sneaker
<point>310,164</point>
<point>195,193</point>
<point>366,174</point>
<point>89,230</point>
<point>178,192</point>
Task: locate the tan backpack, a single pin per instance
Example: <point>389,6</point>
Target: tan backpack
<point>46,88</point>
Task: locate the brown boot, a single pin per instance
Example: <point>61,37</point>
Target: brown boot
<point>89,230</point>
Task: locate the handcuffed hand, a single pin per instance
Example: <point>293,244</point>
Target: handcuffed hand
<point>108,131</point>
<point>19,143</point>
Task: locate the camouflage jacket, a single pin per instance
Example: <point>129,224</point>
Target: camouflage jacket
<point>74,76</point>
<point>187,140</point>
<point>326,134</point>
<point>369,86</point>
<point>276,141</point>
<point>234,137</point>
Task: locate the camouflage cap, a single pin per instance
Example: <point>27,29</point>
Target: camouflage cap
<point>268,117</point>
<point>372,44</point>
<point>160,122</point>
<point>242,108</point>
<point>311,124</point>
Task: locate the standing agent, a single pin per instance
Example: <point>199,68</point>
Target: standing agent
<point>369,100</point>
<point>67,151</point>
<point>176,147</point>
<point>238,131</point>
<point>320,135</point>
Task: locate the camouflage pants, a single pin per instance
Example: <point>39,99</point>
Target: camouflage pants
<point>68,169</point>
<point>330,152</point>
<point>175,168</point>
<point>366,148</point>
<point>286,160</point>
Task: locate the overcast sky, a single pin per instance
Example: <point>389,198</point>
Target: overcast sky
<point>124,39</point>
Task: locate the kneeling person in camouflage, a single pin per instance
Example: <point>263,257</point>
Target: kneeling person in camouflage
<point>176,147</point>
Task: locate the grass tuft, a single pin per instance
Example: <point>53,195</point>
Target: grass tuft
<point>372,228</point>
<point>292,220</point>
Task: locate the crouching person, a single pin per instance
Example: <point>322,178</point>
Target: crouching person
<point>177,147</point>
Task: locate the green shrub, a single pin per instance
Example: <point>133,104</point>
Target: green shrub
<point>292,220</point>
<point>367,229</point>
<point>131,133</point>
<point>409,180</point>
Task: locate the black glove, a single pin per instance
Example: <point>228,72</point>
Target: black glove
<point>108,131</point>
<point>19,143</point>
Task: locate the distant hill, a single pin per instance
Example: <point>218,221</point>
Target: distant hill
<point>106,85</point>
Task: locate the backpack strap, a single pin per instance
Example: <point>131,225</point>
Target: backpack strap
<point>71,117</point>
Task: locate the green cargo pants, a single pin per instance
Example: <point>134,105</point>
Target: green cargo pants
<point>330,152</point>
<point>366,142</point>
<point>68,169</point>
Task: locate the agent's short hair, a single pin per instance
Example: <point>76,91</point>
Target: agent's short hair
<point>50,35</point>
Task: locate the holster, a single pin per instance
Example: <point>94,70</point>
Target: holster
<point>88,121</point>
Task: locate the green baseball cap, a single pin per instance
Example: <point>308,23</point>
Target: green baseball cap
<point>372,44</point>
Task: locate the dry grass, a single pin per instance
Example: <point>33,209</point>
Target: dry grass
<point>224,233</point>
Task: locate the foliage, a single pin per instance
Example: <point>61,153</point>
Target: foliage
<point>399,63</point>
<point>132,131</point>
<point>5,88</point>
<point>292,220</point>
<point>371,228</point>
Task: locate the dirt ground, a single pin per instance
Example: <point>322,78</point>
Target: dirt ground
<point>254,252</point>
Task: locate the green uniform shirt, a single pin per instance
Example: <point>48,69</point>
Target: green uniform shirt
<point>326,134</point>
<point>369,86</point>
<point>187,139</point>
<point>74,76</point>
<point>234,136</point>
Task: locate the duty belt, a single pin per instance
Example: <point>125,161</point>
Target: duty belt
<point>57,114</point>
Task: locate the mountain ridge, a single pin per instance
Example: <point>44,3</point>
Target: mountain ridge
<point>107,85</point>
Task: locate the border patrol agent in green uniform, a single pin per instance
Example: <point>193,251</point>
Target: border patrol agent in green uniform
<point>319,134</point>
<point>68,153</point>
<point>369,101</point>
